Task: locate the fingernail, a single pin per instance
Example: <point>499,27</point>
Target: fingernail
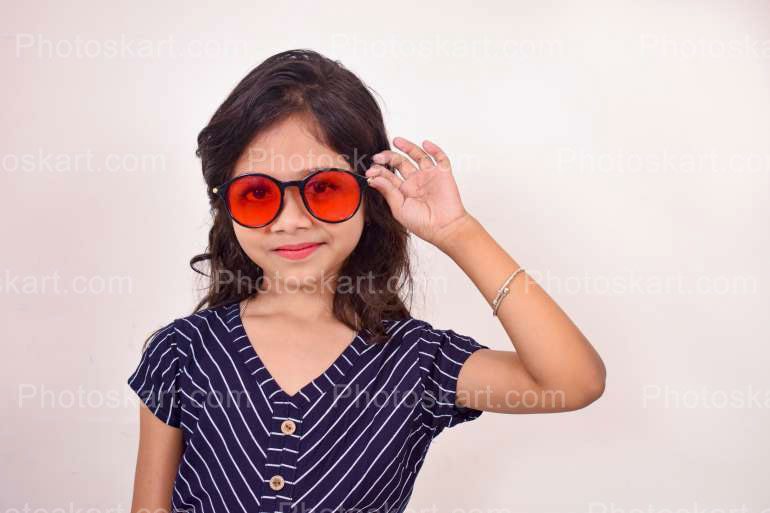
<point>379,158</point>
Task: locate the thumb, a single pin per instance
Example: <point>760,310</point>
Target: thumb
<point>393,196</point>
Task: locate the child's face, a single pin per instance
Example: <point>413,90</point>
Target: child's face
<point>286,151</point>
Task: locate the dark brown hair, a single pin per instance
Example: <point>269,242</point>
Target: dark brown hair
<point>347,119</point>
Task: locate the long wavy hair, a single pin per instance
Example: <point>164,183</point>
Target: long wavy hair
<point>347,119</point>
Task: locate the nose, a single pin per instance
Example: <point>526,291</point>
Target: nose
<point>293,215</point>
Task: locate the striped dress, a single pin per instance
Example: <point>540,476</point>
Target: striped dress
<point>354,438</point>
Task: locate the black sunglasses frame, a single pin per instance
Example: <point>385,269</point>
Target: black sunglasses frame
<point>221,192</point>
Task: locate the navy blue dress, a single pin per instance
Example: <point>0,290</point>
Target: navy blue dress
<point>354,438</point>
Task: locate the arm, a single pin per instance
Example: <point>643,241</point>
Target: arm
<point>552,358</point>
<point>553,361</point>
<point>160,450</point>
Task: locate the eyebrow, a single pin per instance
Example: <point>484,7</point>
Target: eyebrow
<point>311,170</point>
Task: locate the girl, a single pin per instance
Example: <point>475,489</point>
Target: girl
<point>305,385</point>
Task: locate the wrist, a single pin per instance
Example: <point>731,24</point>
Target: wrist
<point>452,237</point>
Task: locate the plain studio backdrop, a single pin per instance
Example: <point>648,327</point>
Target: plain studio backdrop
<point>618,150</point>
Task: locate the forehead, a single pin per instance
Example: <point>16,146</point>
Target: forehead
<point>287,150</point>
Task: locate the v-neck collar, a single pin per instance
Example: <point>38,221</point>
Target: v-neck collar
<point>326,381</point>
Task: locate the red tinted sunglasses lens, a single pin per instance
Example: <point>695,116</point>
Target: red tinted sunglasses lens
<point>253,200</point>
<point>333,195</point>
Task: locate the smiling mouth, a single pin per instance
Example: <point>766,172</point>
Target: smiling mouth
<point>299,252</point>
<point>298,247</point>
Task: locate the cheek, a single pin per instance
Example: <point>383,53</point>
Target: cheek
<point>241,234</point>
<point>248,239</point>
<point>348,233</point>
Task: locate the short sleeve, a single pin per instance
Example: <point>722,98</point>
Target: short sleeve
<point>156,378</point>
<point>443,353</point>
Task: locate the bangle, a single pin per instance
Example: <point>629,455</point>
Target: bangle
<point>503,291</point>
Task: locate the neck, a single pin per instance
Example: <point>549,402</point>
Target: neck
<point>306,300</point>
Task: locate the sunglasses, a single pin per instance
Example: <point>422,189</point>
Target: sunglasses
<point>255,200</point>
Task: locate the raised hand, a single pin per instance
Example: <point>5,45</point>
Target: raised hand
<point>424,198</point>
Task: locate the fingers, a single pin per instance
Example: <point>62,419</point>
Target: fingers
<point>387,174</point>
<point>423,160</point>
<point>388,184</point>
<point>396,161</point>
<point>437,153</point>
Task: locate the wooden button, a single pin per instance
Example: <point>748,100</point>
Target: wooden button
<point>276,482</point>
<point>288,427</point>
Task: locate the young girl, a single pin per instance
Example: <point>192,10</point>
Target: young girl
<point>305,385</point>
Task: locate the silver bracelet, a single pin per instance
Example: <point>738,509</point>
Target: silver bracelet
<point>503,291</point>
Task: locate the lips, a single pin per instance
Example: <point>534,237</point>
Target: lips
<point>302,251</point>
<point>297,247</point>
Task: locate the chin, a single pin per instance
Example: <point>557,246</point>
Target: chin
<point>297,270</point>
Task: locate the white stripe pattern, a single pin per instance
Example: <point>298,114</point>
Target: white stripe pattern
<point>361,429</point>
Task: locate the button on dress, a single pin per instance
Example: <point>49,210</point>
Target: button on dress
<point>353,438</point>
